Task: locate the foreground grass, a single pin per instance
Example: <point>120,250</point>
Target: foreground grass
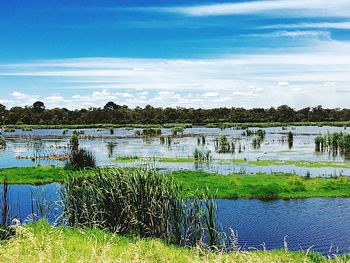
<point>40,242</point>
<point>262,186</point>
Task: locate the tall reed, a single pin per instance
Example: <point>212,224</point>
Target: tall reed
<point>5,209</point>
<point>139,202</point>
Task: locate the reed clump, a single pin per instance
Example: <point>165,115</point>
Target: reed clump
<point>223,145</point>
<point>202,155</point>
<point>337,142</point>
<point>176,130</point>
<point>140,202</point>
<point>149,132</point>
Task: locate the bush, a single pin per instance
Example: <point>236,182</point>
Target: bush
<point>80,159</point>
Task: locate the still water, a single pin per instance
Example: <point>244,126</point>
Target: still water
<point>322,224</point>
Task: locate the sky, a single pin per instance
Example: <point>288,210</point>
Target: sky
<point>187,53</point>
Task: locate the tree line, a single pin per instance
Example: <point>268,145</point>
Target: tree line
<point>38,114</point>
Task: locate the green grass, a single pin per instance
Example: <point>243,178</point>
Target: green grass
<point>263,186</point>
<point>300,163</point>
<point>40,242</point>
<point>127,159</point>
<point>175,159</point>
<point>35,174</point>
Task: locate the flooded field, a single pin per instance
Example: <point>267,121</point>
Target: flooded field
<point>26,148</point>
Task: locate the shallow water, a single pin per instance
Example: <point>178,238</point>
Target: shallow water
<point>274,147</point>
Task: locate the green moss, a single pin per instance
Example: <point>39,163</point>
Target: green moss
<point>41,242</point>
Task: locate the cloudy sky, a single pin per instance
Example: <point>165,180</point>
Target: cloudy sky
<point>191,53</point>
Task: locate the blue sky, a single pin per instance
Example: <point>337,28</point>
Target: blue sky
<point>175,53</point>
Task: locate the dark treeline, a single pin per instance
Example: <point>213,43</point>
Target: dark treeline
<point>112,113</point>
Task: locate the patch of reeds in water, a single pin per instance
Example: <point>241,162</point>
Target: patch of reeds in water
<point>337,143</point>
<point>223,145</point>
<point>140,202</point>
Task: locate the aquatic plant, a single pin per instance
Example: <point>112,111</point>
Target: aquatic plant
<point>74,142</point>
<point>165,140</point>
<point>80,159</point>
<point>202,155</point>
<point>176,130</point>
<point>9,129</point>
<point>201,139</point>
<point>337,142</point>
<point>223,145</point>
<point>5,209</point>
<point>140,202</point>
<point>290,139</point>
<point>256,142</point>
<point>2,142</point>
<point>110,148</point>
<point>149,132</point>
<point>27,128</point>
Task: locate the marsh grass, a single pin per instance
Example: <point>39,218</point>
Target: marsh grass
<point>140,202</point>
<point>337,143</point>
<point>223,145</point>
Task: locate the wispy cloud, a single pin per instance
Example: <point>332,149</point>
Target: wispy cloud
<point>323,25</point>
<point>323,8</point>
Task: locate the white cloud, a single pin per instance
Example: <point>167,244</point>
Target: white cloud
<point>254,78</point>
<point>211,94</point>
<point>298,8</point>
<point>300,33</point>
<point>322,25</point>
<point>283,83</point>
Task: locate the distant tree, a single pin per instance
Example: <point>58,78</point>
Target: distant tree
<point>38,106</point>
<point>110,106</point>
<point>2,113</point>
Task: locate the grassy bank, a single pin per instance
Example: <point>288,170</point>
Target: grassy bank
<point>41,242</point>
<point>263,186</point>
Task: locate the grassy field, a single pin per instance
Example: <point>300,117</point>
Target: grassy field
<point>262,186</point>
<point>40,242</point>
